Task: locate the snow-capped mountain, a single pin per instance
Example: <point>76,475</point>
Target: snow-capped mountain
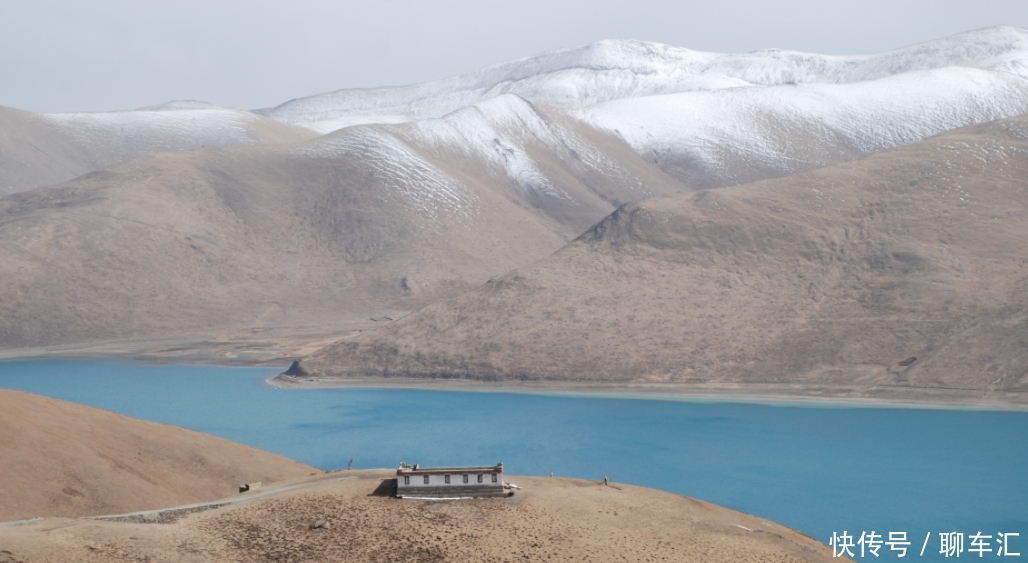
<point>617,69</point>
<point>505,137</point>
<point>733,136</point>
<point>416,194</point>
<point>708,119</point>
<point>714,119</point>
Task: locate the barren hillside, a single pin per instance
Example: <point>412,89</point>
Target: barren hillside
<point>824,282</point>
<point>65,459</point>
<point>550,519</point>
<point>366,222</point>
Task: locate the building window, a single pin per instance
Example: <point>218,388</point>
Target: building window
<point>406,479</point>
<point>426,479</point>
<point>479,477</point>
<point>447,479</point>
<point>465,478</point>
<point>494,477</point>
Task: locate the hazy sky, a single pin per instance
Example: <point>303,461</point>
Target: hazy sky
<point>122,54</point>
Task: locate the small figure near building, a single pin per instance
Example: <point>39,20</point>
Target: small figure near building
<point>449,482</point>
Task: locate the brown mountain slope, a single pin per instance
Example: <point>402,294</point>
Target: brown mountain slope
<point>42,149</point>
<point>363,222</point>
<point>550,519</point>
<point>64,459</point>
<point>821,282</point>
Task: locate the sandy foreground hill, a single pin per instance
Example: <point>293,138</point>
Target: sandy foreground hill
<point>63,459</point>
<point>550,519</point>
<point>901,275</point>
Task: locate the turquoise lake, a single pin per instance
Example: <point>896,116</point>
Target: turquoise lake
<point>817,469</point>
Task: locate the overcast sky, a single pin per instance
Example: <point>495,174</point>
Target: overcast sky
<point>122,54</point>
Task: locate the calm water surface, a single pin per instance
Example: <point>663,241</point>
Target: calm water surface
<point>817,469</point>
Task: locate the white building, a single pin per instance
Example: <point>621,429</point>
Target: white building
<point>449,482</point>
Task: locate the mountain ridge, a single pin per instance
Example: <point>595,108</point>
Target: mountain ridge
<point>682,70</point>
<point>42,149</point>
<point>369,221</point>
<point>716,119</point>
<point>821,283</point>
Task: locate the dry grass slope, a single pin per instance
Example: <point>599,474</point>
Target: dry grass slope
<point>821,282</point>
<point>64,459</point>
<point>552,519</point>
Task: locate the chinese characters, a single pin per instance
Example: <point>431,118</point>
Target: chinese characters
<point>951,544</point>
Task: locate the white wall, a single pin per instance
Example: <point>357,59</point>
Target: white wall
<point>456,479</point>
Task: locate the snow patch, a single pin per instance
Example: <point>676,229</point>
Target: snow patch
<point>181,105</point>
<point>159,130</point>
<point>330,125</point>
<point>422,187</point>
<point>501,133</point>
<point>796,127</point>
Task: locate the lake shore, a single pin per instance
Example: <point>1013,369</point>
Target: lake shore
<point>277,348</point>
<point>772,394</point>
<point>243,347</point>
<point>777,462</point>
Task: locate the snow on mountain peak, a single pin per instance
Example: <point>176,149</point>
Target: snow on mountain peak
<point>616,69</point>
<point>175,105</point>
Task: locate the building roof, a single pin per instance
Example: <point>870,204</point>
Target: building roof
<point>418,470</point>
